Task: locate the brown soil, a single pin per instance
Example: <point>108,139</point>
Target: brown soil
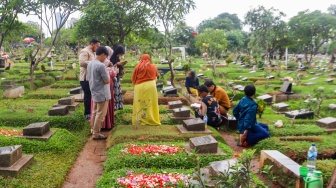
<point>88,166</point>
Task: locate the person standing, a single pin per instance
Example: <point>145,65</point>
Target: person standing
<point>145,102</point>
<point>191,83</point>
<point>115,59</point>
<point>99,82</point>
<point>85,56</point>
<point>221,96</point>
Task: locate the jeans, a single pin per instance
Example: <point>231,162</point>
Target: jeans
<point>87,97</point>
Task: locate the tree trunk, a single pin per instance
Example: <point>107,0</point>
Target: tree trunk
<point>170,62</point>
<point>1,41</point>
<point>31,73</point>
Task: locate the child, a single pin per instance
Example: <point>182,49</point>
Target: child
<point>245,112</point>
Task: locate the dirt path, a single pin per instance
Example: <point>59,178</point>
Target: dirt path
<point>88,166</point>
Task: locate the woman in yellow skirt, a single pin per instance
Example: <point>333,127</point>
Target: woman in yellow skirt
<point>145,101</point>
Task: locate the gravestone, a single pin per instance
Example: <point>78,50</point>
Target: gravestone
<point>66,101</point>
<point>181,112</point>
<point>332,106</point>
<point>238,87</point>
<point>159,85</point>
<point>244,79</point>
<point>329,80</point>
<point>36,129</point>
<point>328,122</point>
<point>169,83</point>
<point>218,167</point>
<point>281,107</point>
<point>300,114</point>
<point>204,144</point>
<point>308,100</point>
<point>318,74</point>
<point>332,75</point>
<point>284,79</point>
<point>200,75</point>
<point>13,93</point>
<point>231,122</point>
<point>315,78</point>
<point>309,83</point>
<point>267,98</point>
<point>311,72</point>
<point>169,90</point>
<point>76,90</point>
<point>252,72</point>
<point>59,77</point>
<point>175,104</point>
<point>12,161</point>
<point>58,111</point>
<point>196,124</point>
<point>286,88</point>
<point>231,83</point>
<point>270,77</point>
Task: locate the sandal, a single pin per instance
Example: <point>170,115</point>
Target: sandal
<point>100,137</point>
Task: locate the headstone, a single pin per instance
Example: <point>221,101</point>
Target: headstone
<point>329,80</point>
<point>284,79</point>
<point>76,90</point>
<point>281,107</point>
<point>66,101</point>
<point>169,90</point>
<point>332,75</point>
<point>238,87</point>
<point>175,104</point>
<point>300,114</point>
<point>232,122</point>
<point>309,83</point>
<point>58,111</point>
<point>311,72</point>
<point>267,98</point>
<point>36,129</point>
<point>231,83</point>
<point>169,83</point>
<point>308,100</point>
<point>332,106</point>
<point>315,78</point>
<point>13,93</point>
<point>9,155</point>
<point>59,77</point>
<point>159,85</point>
<point>244,79</point>
<point>181,112</point>
<point>270,77</point>
<point>328,122</point>
<point>318,74</point>
<point>200,75</point>
<point>218,167</point>
<point>252,72</point>
<point>286,88</point>
<point>204,144</point>
<point>196,124</point>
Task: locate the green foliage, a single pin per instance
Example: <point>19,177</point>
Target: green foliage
<point>228,60</point>
<point>298,130</point>
<point>224,21</point>
<point>212,41</point>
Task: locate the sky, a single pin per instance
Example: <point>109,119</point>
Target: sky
<point>206,9</point>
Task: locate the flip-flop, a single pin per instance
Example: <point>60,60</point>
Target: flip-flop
<point>100,137</point>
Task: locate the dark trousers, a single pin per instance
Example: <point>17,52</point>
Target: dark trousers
<point>258,132</point>
<point>87,96</point>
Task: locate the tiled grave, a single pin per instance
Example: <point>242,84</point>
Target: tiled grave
<point>204,144</point>
<point>40,131</point>
<point>58,111</point>
<point>280,107</point>
<point>267,98</point>
<point>328,122</point>
<point>300,114</point>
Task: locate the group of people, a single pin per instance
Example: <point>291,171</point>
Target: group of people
<point>215,104</point>
<point>100,73</point>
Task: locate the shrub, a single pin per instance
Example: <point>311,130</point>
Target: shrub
<point>38,83</point>
<point>228,60</point>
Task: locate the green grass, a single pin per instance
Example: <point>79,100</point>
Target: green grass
<point>326,167</point>
<point>298,130</point>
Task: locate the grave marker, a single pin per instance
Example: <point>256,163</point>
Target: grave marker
<point>270,77</point>
<point>286,88</point>
<point>309,83</point>
<point>76,90</point>
<point>66,101</point>
<point>267,98</point>
<point>329,80</point>
<point>169,90</point>
<point>218,167</point>
<point>58,111</point>
<point>196,124</point>
<point>300,114</point>
<point>175,104</point>
<point>332,75</point>
<point>181,112</point>
<point>244,79</point>
<point>36,129</point>
<point>332,106</point>
<point>328,122</point>
<point>281,107</point>
<point>204,144</point>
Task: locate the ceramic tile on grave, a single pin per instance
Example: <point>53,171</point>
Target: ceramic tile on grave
<point>181,112</point>
<point>237,87</point>
<point>270,77</point>
<point>244,79</point>
<point>175,104</point>
<point>315,78</point>
<point>328,122</point>
<point>204,144</point>
<point>36,129</point>
<point>318,74</point>
<point>252,72</point>
<point>200,75</point>
<point>9,155</point>
<point>233,123</point>
<point>308,100</point>
<point>300,114</point>
<point>218,167</point>
<point>266,98</point>
<point>76,90</point>
<point>159,85</point>
<point>231,83</point>
<point>332,106</point>
<point>280,107</point>
<point>196,124</point>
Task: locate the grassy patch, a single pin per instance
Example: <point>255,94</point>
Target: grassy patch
<point>298,130</point>
<point>326,167</point>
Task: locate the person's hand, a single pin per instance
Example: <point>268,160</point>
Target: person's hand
<point>109,64</point>
<point>121,63</point>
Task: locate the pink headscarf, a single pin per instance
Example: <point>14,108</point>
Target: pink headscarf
<point>110,52</point>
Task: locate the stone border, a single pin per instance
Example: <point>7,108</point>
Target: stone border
<point>188,149</point>
<point>17,167</point>
<point>44,137</point>
<point>183,130</point>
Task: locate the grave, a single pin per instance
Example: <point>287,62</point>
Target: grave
<point>280,107</point>
<point>267,98</point>
<point>328,122</point>
<point>309,83</point>
<point>270,77</point>
<point>39,131</point>
<point>332,75</point>
<point>244,79</point>
<point>231,122</point>
<point>218,167</point>
<point>238,87</point>
<point>200,75</point>
<point>195,126</point>
<point>59,77</point>
<point>332,106</point>
<point>315,78</point>
<point>283,167</point>
<point>181,112</point>
<point>68,102</point>
<point>318,74</point>
<point>13,93</point>
<point>308,100</point>
<point>231,83</point>
<point>175,104</point>
<point>329,80</point>
<point>252,72</point>
<point>77,90</point>
<point>300,114</point>
<point>159,85</point>
<point>169,91</point>
<point>169,83</point>
<point>311,72</point>
<point>58,111</point>
<point>12,162</point>
<point>286,88</point>
<point>204,144</point>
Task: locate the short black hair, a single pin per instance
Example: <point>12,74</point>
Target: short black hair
<point>250,90</point>
<point>209,83</point>
<point>202,88</point>
<point>102,50</point>
<point>94,41</point>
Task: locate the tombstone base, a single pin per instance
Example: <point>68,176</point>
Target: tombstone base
<point>71,107</point>
<point>44,137</point>
<point>183,130</point>
<point>17,167</point>
<point>182,118</point>
<point>188,150</point>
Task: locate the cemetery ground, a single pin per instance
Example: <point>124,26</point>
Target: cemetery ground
<point>126,154</point>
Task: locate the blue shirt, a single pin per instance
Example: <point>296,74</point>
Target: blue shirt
<point>193,83</point>
<point>245,112</point>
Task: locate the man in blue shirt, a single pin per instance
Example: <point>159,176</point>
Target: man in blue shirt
<point>245,112</point>
<point>99,82</point>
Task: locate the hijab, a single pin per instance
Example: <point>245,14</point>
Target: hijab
<point>110,53</point>
<point>144,71</point>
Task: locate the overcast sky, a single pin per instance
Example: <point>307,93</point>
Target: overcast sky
<point>206,9</point>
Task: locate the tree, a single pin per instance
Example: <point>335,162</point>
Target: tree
<point>332,10</point>
<point>116,19</point>
<point>212,41</point>
<point>312,30</point>
<point>224,21</point>
<point>183,36</point>
<point>169,13</point>
<point>9,11</point>
<point>58,10</point>
<point>235,40</point>
<point>262,22</point>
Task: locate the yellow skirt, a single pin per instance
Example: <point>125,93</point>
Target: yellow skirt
<point>193,91</point>
<point>145,104</point>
